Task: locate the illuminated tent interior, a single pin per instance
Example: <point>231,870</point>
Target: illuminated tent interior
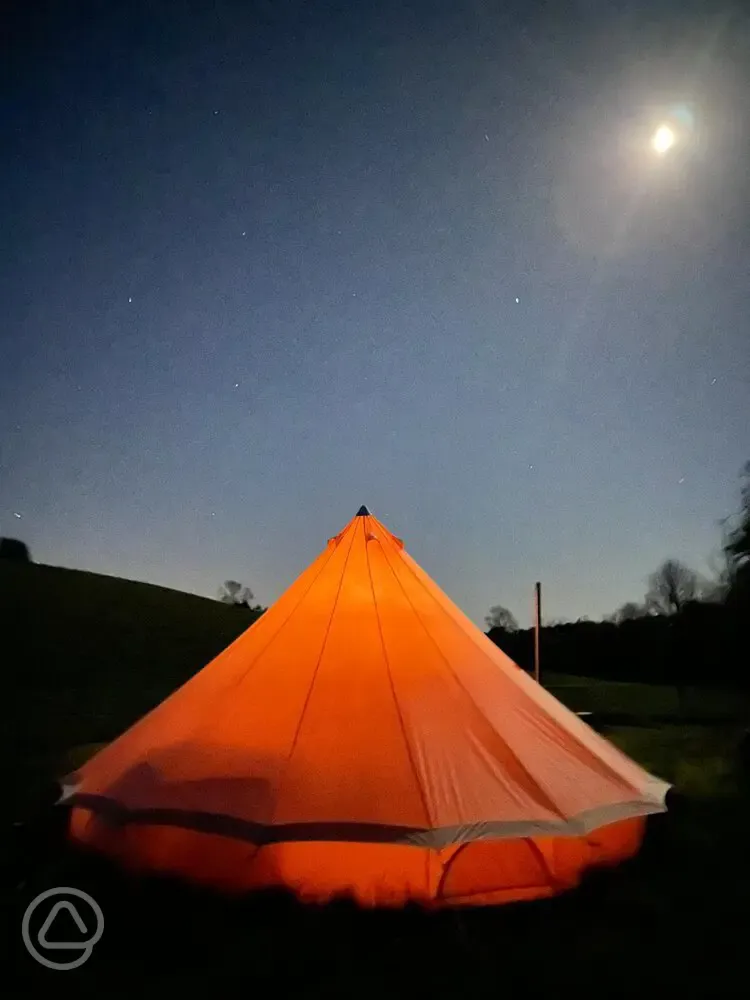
<point>364,738</point>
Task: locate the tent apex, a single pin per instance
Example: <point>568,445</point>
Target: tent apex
<point>363,511</point>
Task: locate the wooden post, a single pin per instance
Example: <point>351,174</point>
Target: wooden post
<point>537,627</point>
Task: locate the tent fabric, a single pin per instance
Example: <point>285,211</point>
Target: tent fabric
<point>365,737</point>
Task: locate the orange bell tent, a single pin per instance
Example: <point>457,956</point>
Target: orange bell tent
<point>364,738</point>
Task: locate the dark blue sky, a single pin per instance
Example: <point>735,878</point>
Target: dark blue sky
<point>262,263</point>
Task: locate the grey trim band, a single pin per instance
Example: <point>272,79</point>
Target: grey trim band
<point>364,833</point>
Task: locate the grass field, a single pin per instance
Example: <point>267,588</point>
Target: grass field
<point>673,921</point>
<point>646,702</point>
<point>93,653</point>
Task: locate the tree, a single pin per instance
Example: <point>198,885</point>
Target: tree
<point>628,612</point>
<point>233,592</point>
<point>14,550</point>
<point>671,587</point>
<point>500,617</point>
<point>716,589</point>
<point>737,544</point>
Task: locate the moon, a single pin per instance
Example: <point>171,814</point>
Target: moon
<point>663,139</point>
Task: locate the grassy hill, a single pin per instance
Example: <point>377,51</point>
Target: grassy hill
<point>84,655</point>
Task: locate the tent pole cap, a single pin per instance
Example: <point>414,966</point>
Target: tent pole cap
<point>363,511</point>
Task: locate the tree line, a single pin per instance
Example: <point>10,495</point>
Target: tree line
<point>685,629</point>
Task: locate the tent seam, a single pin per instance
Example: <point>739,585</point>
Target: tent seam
<point>546,799</point>
<point>286,621</point>
<point>410,755</point>
<point>308,696</point>
<point>475,636</point>
<point>600,762</point>
<point>209,720</point>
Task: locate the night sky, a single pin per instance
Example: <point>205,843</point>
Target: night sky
<point>263,263</point>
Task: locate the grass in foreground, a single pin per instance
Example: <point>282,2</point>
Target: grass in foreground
<point>673,920</point>
<point>98,653</point>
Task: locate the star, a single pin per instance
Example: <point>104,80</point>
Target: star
<point>244,234</point>
<point>681,480</point>
<point>16,514</point>
<point>517,300</point>
<point>130,298</point>
<point>713,381</point>
<point>236,385</point>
